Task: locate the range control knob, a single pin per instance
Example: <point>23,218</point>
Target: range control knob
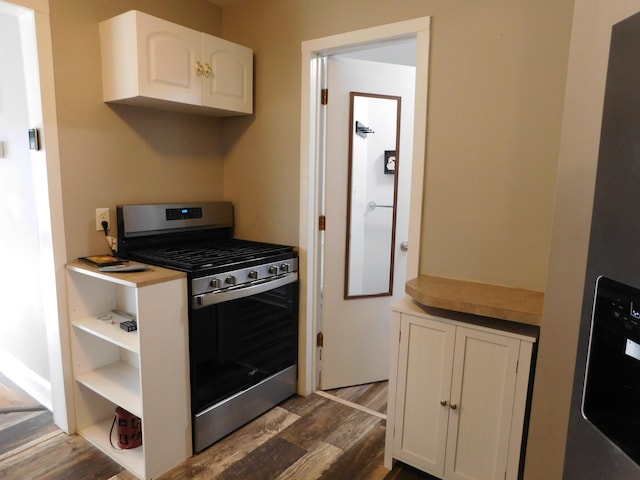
<point>285,267</point>
<point>273,269</point>
<point>215,283</point>
<point>231,280</point>
<point>253,274</point>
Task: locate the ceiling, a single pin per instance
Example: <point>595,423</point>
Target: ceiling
<point>402,52</point>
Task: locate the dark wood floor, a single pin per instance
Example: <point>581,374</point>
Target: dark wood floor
<point>312,437</point>
<point>371,396</point>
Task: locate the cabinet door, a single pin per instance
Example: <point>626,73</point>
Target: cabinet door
<point>229,85</point>
<point>167,60</point>
<point>482,395</point>
<point>424,383</point>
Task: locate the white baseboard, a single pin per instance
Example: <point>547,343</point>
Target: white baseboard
<point>26,379</point>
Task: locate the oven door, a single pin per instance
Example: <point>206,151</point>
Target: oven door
<point>241,338</point>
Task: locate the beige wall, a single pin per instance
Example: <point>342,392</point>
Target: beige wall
<point>111,155</point>
<point>571,226</point>
<point>497,75</point>
<point>496,88</point>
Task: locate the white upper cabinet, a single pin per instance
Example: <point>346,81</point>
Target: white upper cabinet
<point>150,62</point>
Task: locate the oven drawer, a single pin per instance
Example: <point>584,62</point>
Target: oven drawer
<point>231,413</point>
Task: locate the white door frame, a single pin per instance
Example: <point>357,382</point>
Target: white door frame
<point>50,217</point>
<point>309,254</point>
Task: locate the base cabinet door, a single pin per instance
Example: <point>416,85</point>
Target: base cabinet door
<point>481,405</point>
<point>424,383</point>
<point>457,398</point>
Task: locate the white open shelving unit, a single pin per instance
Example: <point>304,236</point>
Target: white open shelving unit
<point>145,372</point>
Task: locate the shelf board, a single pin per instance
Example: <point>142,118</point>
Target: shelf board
<point>98,435</point>
<point>118,383</point>
<point>129,279</point>
<point>109,331</point>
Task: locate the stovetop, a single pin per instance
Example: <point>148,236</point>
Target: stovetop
<point>197,238</point>
<point>211,256</point>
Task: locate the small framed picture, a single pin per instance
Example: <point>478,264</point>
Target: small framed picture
<point>390,162</point>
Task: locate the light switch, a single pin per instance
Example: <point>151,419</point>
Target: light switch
<point>34,140</point>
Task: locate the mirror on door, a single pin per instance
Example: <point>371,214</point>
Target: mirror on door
<point>371,201</point>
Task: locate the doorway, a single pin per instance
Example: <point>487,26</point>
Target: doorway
<point>312,192</point>
<point>32,282</point>
<point>22,329</point>
<point>366,207</point>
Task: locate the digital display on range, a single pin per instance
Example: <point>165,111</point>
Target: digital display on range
<point>183,213</point>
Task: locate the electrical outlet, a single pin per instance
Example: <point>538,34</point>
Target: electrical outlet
<point>102,214</point>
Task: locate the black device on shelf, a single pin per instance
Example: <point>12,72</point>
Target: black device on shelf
<point>129,325</point>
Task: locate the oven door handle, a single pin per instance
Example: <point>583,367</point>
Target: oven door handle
<point>212,298</point>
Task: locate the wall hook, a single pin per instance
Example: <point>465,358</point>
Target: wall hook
<point>362,131</point>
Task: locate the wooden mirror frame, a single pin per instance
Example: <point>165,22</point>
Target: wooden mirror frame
<point>352,131</point>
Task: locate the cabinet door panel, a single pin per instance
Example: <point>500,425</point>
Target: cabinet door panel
<point>483,388</point>
<point>229,86</point>
<point>424,381</point>
<point>168,57</point>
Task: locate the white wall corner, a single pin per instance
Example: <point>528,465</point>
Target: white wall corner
<point>26,379</point>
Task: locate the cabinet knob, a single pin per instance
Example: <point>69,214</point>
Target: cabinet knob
<point>207,70</point>
<point>453,406</point>
<point>199,69</point>
<point>443,403</point>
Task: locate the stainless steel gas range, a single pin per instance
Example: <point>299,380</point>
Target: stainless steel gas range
<point>242,308</point>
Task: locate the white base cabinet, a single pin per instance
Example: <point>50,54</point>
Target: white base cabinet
<point>145,372</point>
<point>150,62</point>
<point>457,393</point>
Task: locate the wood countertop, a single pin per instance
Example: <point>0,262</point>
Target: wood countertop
<point>506,303</point>
<point>131,279</point>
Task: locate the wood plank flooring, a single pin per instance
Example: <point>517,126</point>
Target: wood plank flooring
<point>20,429</point>
<point>13,398</point>
<point>371,396</point>
<point>303,438</point>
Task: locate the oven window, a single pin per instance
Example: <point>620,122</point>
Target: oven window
<point>236,344</point>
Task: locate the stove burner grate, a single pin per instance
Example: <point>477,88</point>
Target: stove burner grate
<point>217,254</point>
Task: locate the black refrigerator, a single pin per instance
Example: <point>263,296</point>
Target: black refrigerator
<point>604,429</point>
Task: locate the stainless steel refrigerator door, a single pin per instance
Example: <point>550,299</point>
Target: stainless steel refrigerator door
<point>614,248</point>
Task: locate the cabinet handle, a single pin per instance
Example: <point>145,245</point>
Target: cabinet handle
<point>199,69</point>
<point>443,403</point>
<point>453,406</point>
<point>207,70</point>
